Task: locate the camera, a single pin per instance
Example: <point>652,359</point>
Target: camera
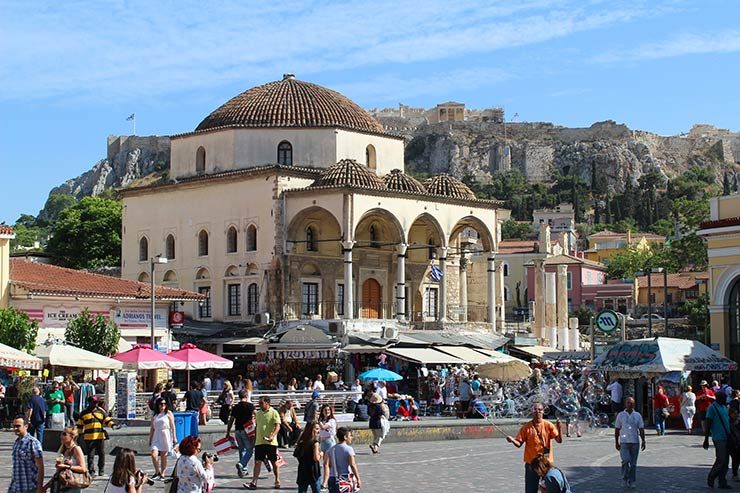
<point>140,474</point>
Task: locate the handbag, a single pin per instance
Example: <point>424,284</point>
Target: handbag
<point>171,485</point>
<point>69,479</point>
<point>665,412</point>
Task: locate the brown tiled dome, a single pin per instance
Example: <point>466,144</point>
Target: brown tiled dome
<point>449,186</point>
<point>398,180</point>
<point>291,103</point>
<point>349,173</point>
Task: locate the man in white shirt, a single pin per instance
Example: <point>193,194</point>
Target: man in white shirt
<point>356,388</point>
<point>207,383</point>
<point>615,388</point>
<point>629,430</point>
<point>318,384</point>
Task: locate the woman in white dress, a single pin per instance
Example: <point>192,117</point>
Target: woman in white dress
<point>688,408</point>
<point>162,437</point>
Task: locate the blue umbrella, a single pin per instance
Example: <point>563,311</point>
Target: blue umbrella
<point>380,374</point>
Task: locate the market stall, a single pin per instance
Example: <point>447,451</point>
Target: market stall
<point>74,357</point>
<point>15,358</point>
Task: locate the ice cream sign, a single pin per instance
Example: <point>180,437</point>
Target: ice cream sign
<point>59,316</point>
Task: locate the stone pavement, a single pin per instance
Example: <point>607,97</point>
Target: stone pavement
<point>675,462</point>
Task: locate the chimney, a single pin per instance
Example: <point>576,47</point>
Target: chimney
<point>544,238</point>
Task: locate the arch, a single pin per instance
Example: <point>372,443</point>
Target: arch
<point>424,231</point>
<point>463,227</point>
<point>143,249</point>
<point>231,240</point>
<point>733,325</point>
<point>721,293</point>
<point>200,161</point>
<point>251,238</point>
<point>378,228</point>
<point>203,243</point>
<point>202,273</point>
<point>324,226</point>
<point>370,157</point>
<point>372,299</point>
<point>144,277</point>
<point>310,269</point>
<point>285,153</point>
<point>170,276</point>
<point>252,299</point>
<point>231,271</point>
<point>169,247</point>
<point>251,269</point>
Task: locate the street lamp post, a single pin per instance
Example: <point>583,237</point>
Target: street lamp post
<point>154,260</point>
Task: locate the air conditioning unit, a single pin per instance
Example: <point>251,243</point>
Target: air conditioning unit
<point>262,318</point>
<point>337,329</point>
<point>390,333</point>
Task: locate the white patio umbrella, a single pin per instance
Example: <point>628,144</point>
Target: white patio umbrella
<point>11,357</point>
<point>71,356</point>
<point>504,368</point>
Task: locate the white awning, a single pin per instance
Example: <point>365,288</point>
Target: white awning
<point>363,349</point>
<point>11,357</point>
<point>466,354</point>
<point>536,351</point>
<point>423,355</point>
<point>71,356</point>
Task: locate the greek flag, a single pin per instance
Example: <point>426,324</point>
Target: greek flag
<point>133,115</point>
<point>435,273</point>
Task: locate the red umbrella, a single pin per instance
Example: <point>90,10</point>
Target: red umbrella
<point>143,357</point>
<point>198,359</point>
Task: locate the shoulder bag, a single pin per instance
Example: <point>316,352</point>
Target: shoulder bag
<point>348,483</point>
<point>69,479</point>
<point>171,485</point>
<point>732,444</point>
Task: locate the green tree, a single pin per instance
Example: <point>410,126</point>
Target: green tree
<point>17,330</point>
<point>97,334</point>
<point>54,206</point>
<point>625,264</point>
<point>697,313</point>
<point>515,230</point>
<point>88,235</point>
<point>663,227</point>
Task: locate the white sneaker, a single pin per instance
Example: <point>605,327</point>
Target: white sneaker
<point>240,469</point>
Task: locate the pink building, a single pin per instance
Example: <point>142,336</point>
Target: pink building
<point>582,275</point>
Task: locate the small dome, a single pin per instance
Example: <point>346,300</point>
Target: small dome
<point>349,173</point>
<point>291,103</point>
<point>448,186</point>
<point>398,180</point>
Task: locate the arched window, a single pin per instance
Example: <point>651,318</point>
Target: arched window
<point>311,245</point>
<point>200,161</point>
<point>169,247</point>
<point>252,299</point>
<point>370,157</point>
<point>231,240</point>
<point>285,153</point>
<point>252,238</point>
<point>143,249</point>
<point>734,321</point>
<point>505,266</point>
<point>374,236</point>
<point>431,249</point>
<point>143,277</point>
<point>203,243</point>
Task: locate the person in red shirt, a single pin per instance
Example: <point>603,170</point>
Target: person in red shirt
<point>704,398</point>
<point>660,404</point>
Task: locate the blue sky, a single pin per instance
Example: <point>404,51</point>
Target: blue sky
<point>72,71</point>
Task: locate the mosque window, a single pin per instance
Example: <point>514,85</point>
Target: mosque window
<point>203,243</point>
<point>252,238</point>
<point>374,242</point>
<point>200,161</point>
<point>143,249</point>
<point>231,240</point>
<point>431,250</point>
<point>252,299</point>
<point>285,153</point>
<point>506,269</point>
<point>370,157</point>
<point>169,247</point>
<point>311,245</point>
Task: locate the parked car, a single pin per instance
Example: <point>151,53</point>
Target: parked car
<point>654,316</point>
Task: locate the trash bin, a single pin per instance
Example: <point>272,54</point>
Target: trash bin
<point>186,423</point>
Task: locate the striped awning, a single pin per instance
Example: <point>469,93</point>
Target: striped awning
<point>15,358</point>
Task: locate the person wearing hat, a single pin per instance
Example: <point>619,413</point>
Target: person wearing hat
<point>375,411</point>
<point>704,398</point>
<point>91,427</point>
<point>311,412</point>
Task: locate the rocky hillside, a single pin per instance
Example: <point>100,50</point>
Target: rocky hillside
<point>605,151</point>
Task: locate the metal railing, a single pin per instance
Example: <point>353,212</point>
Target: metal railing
<point>331,309</point>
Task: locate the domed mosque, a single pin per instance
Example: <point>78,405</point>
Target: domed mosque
<point>290,202</point>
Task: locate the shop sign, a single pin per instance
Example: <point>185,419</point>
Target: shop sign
<point>60,316</point>
<point>177,319</point>
<point>140,317</point>
<point>316,354</point>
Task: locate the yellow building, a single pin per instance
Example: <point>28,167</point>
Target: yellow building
<point>605,244</point>
<point>682,287</point>
<point>722,233</point>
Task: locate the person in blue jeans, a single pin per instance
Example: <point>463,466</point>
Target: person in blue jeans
<point>660,404</point>
<point>36,414</point>
<point>718,426</point>
<point>242,418</point>
<point>629,430</point>
<point>308,453</point>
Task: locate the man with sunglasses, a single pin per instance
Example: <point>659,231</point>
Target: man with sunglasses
<point>28,463</point>
<point>536,436</point>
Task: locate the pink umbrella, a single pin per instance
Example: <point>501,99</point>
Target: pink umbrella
<point>143,357</point>
<point>197,359</point>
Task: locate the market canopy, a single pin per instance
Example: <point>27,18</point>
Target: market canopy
<point>465,354</point>
<point>143,357</point>
<point>72,356</point>
<point>198,359</point>
<point>661,355</point>
<point>423,355</point>
<point>11,357</point>
<point>504,368</point>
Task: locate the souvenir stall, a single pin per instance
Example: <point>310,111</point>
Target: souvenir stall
<point>14,364</point>
<point>664,361</point>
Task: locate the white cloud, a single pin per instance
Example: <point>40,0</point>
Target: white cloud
<point>685,44</point>
<point>127,50</point>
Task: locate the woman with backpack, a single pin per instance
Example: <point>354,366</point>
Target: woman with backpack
<point>226,400</point>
